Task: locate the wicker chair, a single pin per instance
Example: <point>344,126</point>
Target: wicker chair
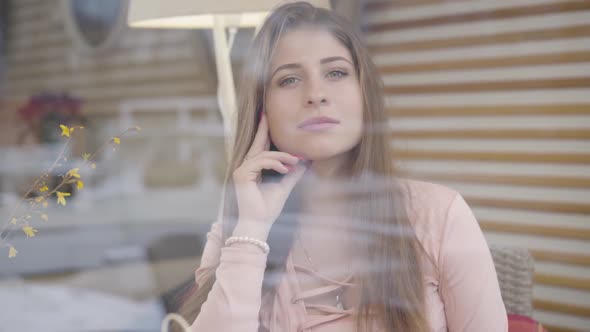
<point>515,269</point>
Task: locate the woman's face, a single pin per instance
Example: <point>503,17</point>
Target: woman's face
<point>313,75</point>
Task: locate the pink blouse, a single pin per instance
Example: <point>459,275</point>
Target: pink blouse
<point>462,290</point>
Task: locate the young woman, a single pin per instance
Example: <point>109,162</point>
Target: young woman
<point>318,233</point>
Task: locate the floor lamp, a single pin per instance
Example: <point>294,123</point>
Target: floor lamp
<point>218,15</point>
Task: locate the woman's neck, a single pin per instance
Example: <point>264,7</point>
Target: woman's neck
<point>323,234</point>
<point>323,188</point>
<point>332,167</point>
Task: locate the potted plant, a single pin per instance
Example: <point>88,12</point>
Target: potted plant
<point>45,112</point>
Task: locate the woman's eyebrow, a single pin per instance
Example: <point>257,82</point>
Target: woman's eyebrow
<point>297,65</point>
<point>334,58</point>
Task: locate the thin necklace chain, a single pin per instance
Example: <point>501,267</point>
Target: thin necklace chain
<point>306,253</point>
<point>339,303</point>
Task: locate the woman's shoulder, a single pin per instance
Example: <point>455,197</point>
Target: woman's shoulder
<point>427,199</point>
<point>428,206</point>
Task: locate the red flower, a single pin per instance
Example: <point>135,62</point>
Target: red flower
<point>62,105</point>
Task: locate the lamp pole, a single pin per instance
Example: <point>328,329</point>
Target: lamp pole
<point>226,96</point>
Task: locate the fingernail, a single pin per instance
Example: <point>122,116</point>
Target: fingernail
<point>298,157</point>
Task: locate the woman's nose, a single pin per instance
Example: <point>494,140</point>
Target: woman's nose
<point>316,100</point>
<point>315,94</point>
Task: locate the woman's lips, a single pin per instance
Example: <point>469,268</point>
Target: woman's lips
<point>319,126</point>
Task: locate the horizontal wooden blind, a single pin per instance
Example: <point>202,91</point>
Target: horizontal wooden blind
<point>42,56</point>
<point>492,98</point>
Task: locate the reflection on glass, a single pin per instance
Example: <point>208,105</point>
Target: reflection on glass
<point>96,19</point>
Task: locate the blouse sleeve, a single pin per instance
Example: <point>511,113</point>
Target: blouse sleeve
<point>469,284</point>
<point>233,304</point>
<point>211,253</point>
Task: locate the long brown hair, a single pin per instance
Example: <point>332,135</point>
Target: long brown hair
<point>392,291</point>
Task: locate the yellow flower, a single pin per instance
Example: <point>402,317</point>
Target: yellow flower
<point>86,156</point>
<point>80,184</point>
<point>65,130</point>
<point>74,173</point>
<point>61,197</point>
<point>41,200</point>
<point>44,188</point>
<point>117,140</point>
<point>93,165</point>
<point>13,221</point>
<point>30,231</point>
<point>44,217</point>
<point>12,252</point>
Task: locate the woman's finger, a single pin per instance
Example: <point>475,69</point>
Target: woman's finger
<point>289,180</point>
<point>261,140</point>
<point>279,155</point>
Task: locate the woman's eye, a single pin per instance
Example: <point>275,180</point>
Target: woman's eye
<point>288,80</point>
<point>337,73</point>
<point>332,74</point>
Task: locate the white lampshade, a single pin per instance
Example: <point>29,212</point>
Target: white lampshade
<point>199,14</point>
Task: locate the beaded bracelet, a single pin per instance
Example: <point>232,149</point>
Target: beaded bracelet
<point>244,239</point>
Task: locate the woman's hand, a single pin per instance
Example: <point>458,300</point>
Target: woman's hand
<point>260,204</point>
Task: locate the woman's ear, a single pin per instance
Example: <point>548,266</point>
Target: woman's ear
<point>259,113</point>
<point>258,116</point>
<point>270,174</point>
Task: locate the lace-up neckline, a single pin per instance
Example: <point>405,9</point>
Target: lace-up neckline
<point>329,313</point>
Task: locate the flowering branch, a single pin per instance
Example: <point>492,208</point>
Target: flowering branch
<point>35,205</point>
